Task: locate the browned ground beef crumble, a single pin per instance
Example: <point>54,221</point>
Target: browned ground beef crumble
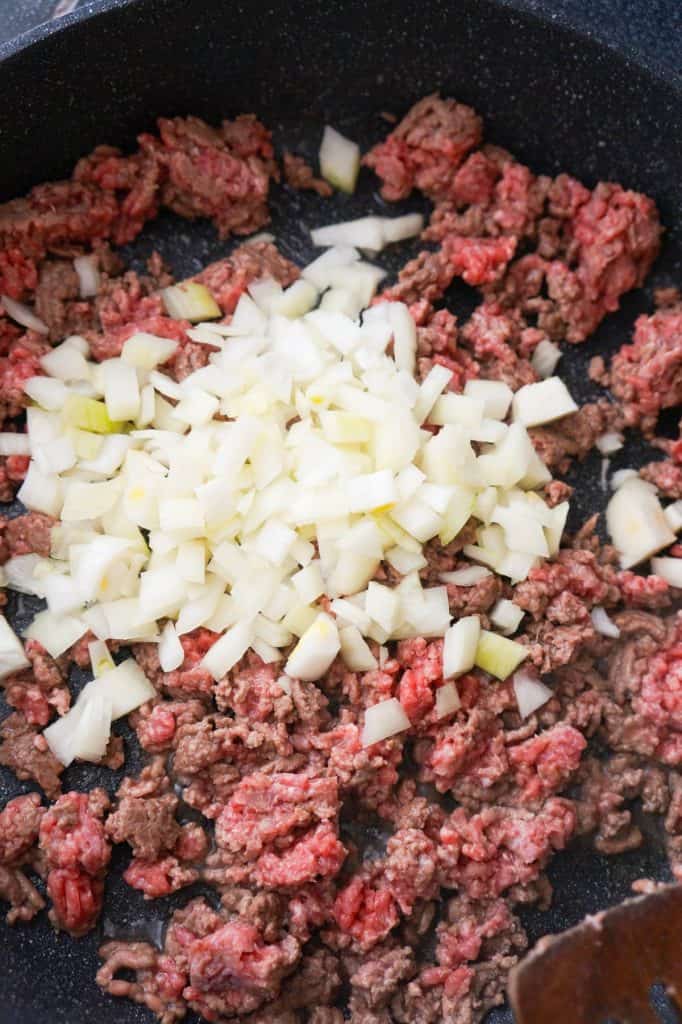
<point>303,920</point>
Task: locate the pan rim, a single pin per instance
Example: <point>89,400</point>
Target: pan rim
<point>102,10</point>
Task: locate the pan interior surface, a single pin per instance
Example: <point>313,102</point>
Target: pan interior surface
<point>558,101</point>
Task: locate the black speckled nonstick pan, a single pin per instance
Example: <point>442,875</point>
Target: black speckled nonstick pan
<point>558,100</point>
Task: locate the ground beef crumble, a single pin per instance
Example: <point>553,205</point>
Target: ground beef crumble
<point>255,792</point>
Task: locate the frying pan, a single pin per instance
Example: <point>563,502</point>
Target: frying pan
<point>557,99</point>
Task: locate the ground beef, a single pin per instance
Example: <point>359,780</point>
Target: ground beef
<point>574,436</point>
<point>479,261</point>
<point>425,149</point>
<point>147,824</point>
<point>39,690</point>
<point>57,215</point>
<point>19,827</point>
<point>279,830</point>
<point>25,751</point>
<point>509,209</point>
<point>617,236</point>
<point>495,340</point>
<point>76,851</point>
<point>499,847</point>
<point>21,362</point>
<point>58,302</point>
<point>666,477</point>
<point>222,174</point>
<point>646,375</point>
<point>18,275</point>
<point>27,534</point>
<point>299,175</point>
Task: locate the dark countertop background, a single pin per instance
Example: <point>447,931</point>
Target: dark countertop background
<point>650,30</point>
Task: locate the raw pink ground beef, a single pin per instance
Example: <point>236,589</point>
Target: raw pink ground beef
<point>305,920</point>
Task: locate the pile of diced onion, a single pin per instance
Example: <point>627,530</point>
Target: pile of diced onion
<point>259,497</point>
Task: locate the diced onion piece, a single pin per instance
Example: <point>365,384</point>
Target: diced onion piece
<point>41,492</point>
<point>545,358</point>
<point>516,565</point>
<point>372,491</point>
<point>61,735</point>
<point>338,256</point>
<point>171,651</point>
<point>300,618</point>
<point>383,605</point>
<point>404,561</point>
<point>126,686</point>
<point>609,443</point>
<point>355,650</point>
<point>146,351</point>
<point>87,269</point>
<point>404,336</point>
<point>46,391</point>
<point>636,522</point>
<point>162,593</point>
<point>509,460</point>
<point>12,657</point>
<point>673,515</point>
<point>554,531</point>
<point>23,574</point>
<point>669,569</point>
<point>15,444</point>
<point>521,532</point>
<point>417,519</point>
<point>397,229</point>
<point>467,577</point>
<point>434,383</point>
<point>119,620</point>
<point>548,400</point>
<point>506,616</point>
<point>296,300</point>
<point>384,720</point>
<point>621,476</point>
<point>315,651</point>
<point>89,414</point>
<point>23,315</point>
<point>495,395</point>
<point>536,474</point>
<point>191,561</point>
<point>191,301</point>
<point>460,646</point>
<point>364,233</point>
<point>308,583</point>
<point>55,456</point>
<point>94,728</point>
<point>111,452</point>
<point>62,594</point>
<point>345,428</point>
<point>497,655</point>
<point>447,700</point>
<point>339,160</point>
<point>121,389</point>
<point>100,658</point>
<point>265,293</point>
<point>530,692</point>
<point>227,651</point>
<point>55,633</point>
<point>603,624</point>
<point>66,363</point>
<point>88,501</point>
<point>452,408</point>
<point>274,541</point>
<point>372,233</point>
